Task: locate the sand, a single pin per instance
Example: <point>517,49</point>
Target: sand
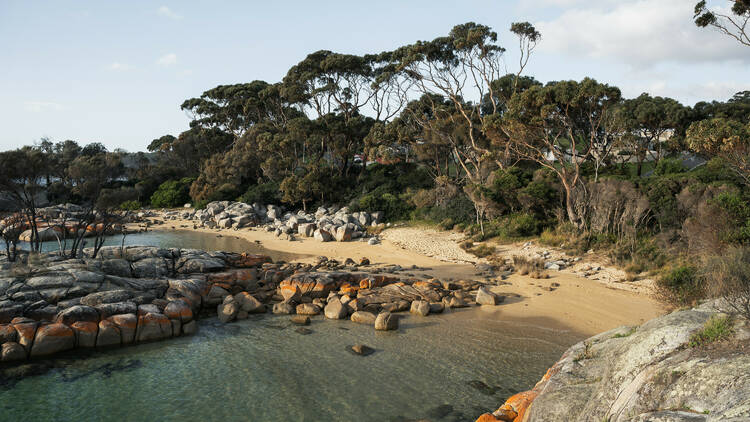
<point>580,305</point>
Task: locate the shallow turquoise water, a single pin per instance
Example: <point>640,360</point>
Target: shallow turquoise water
<point>263,370</point>
<point>450,367</point>
<point>185,240</point>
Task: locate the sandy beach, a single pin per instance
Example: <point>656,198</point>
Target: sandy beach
<point>578,304</point>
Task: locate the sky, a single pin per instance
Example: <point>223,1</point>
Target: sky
<point>117,72</point>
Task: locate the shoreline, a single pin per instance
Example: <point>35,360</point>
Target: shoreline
<point>578,304</point>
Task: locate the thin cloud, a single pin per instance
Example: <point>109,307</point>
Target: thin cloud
<point>168,13</point>
<point>119,67</point>
<point>167,59</point>
<point>640,33</point>
<point>41,106</point>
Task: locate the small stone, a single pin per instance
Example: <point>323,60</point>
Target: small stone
<point>362,350</point>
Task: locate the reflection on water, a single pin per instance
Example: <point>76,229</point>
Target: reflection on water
<point>187,240</point>
<point>442,368</point>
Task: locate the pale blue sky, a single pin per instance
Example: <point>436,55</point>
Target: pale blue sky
<point>116,72</point>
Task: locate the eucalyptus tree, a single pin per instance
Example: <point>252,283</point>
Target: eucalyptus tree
<point>90,175</point>
<point>560,126</point>
<point>724,138</point>
<point>649,121</point>
<point>734,23</point>
<point>22,179</point>
<point>335,89</point>
<point>233,108</point>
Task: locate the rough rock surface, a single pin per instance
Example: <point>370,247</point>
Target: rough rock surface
<point>646,373</point>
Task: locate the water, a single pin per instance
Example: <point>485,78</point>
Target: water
<point>442,368</point>
<point>185,240</point>
<point>449,367</point>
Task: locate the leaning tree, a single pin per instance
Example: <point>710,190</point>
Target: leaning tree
<point>734,22</point>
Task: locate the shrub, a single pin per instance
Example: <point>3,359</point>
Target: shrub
<point>737,210</point>
<point>481,251</point>
<point>717,328</point>
<point>172,193</point>
<point>669,166</point>
<point>394,207</point>
<point>264,193</point>
<point>130,206</point>
<point>526,266</point>
<point>458,209</point>
<point>201,205</point>
<point>681,285</point>
<point>729,278</point>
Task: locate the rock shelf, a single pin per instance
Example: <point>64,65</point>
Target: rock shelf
<point>139,294</point>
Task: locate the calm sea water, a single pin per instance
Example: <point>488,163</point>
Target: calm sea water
<point>185,240</point>
<point>450,367</point>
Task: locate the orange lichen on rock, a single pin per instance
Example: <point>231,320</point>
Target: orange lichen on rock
<point>246,260</point>
<point>516,406</point>
<point>487,417</point>
<point>426,284</point>
<point>348,289</point>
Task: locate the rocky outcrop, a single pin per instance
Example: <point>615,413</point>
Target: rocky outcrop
<point>125,296</point>
<point>646,373</point>
<point>325,225</point>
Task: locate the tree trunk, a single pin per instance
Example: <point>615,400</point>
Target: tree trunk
<point>572,215</point>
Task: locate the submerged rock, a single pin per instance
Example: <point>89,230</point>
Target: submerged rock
<point>300,319</point>
<point>361,350</point>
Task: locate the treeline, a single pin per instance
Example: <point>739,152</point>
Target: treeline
<point>438,130</point>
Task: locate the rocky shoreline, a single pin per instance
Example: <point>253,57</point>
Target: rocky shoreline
<point>139,294</point>
<point>645,373</point>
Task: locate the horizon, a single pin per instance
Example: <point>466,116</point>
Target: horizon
<point>117,74</point>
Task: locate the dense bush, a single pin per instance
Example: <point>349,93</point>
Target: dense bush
<point>395,207</point>
<point>681,285</point>
<point>456,210</point>
<point>130,206</point>
<point>669,166</point>
<point>172,193</point>
<point>265,193</point>
<point>737,211</point>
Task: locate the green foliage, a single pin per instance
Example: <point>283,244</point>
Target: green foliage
<point>395,207</point>
<point>662,196</point>
<point>201,205</point>
<point>737,209</point>
<point>264,193</point>
<point>130,206</point>
<point>669,166</point>
<point>717,328</point>
<point>456,210</point>
<point>509,227</point>
<point>681,285</point>
<point>172,193</point>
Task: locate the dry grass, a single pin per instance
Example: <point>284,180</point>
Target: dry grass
<point>526,266</point>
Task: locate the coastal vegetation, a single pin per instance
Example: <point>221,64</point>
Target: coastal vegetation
<point>436,131</point>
